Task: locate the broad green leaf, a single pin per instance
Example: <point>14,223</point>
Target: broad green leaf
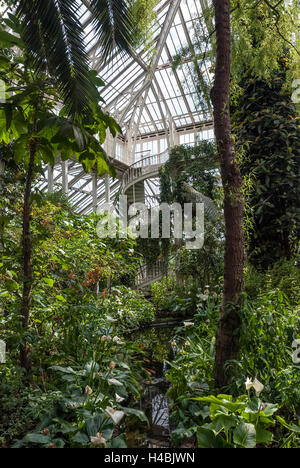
<point>263,436</point>
<point>245,435</point>
<point>37,438</point>
<point>207,439</point>
<point>117,442</point>
<point>81,438</point>
<point>8,40</point>
<point>139,414</point>
<point>223,422</point>
<point>49,281</point>
<point>290,427</point>
<point>93,424</point>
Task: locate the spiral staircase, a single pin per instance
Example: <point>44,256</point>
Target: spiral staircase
<point>132,185</point>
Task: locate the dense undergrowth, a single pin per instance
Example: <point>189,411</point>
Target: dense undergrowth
<point>269,353</point>
<point>87,373</point>
<point>85,378</point>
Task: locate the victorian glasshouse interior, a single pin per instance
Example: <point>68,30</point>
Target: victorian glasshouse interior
<point>149,224</point>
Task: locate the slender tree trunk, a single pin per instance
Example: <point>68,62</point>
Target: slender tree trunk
<point>227,339</point>
<point>25,361</point>
<point>286,245</point>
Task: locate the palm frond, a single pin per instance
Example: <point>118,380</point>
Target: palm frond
<point>113,24</point>
<point>54,39</point>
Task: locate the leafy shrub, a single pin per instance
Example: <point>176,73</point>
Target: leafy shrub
<point>270,325</point>
<point>87,409</point>
<point>163,293</point>
<point>240,423</point>
<point>183,301</point>
<point>283,276</point>
<point>129,308</point>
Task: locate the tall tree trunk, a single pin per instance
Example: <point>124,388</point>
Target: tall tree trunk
<point>25,360</point>
<point>227,339</point>
<point>286,245</point>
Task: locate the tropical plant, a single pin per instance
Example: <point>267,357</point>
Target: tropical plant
<point>86,410</point>
<point>266,127</point>
<point>38,134</point>
<point>128,307</point>
<point>53,35</point>
<point>236,423</point>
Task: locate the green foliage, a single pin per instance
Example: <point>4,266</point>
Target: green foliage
<point>53,36</point>
<point>196,167</point>
<point>143,15</point>
<point>168,296</point>
<point>86,402</point>
<point>283,276</point>
<point>240,423</point>
<point>129,308</point>
<point>69,328</point>
<point>29,118</point>
<point>163,293</point>
<point>261,33</point>
<point>267,128</point>
<point>69,260</point>
<point>270,325</point>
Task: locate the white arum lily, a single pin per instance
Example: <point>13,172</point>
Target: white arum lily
<point>117,340</point>
<point>115,415</point>
<point>256,384</point>
<point>204,297</point>
<point>114,382</point>
<point>105,338</point>
<point>188,324</point>
<point>88,390</point>
<point>119,399</point>
<point>98,440</point>
<point>248,384</point>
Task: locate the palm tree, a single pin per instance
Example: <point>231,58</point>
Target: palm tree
<point>54,40</point>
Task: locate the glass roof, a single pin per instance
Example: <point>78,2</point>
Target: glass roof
<point>144,92</point>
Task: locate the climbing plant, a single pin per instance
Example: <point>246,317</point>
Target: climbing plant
<point>143,14</point>
<point>196,168</point>
<point>261,33</point>
<point>266,126</point>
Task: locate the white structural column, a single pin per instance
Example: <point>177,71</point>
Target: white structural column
<point>94,189</point>
<point>65,182</point>
<point>107,188</point>
<point>50,179</point>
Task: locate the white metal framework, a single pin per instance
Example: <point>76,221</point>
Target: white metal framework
<point>156,104</point>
